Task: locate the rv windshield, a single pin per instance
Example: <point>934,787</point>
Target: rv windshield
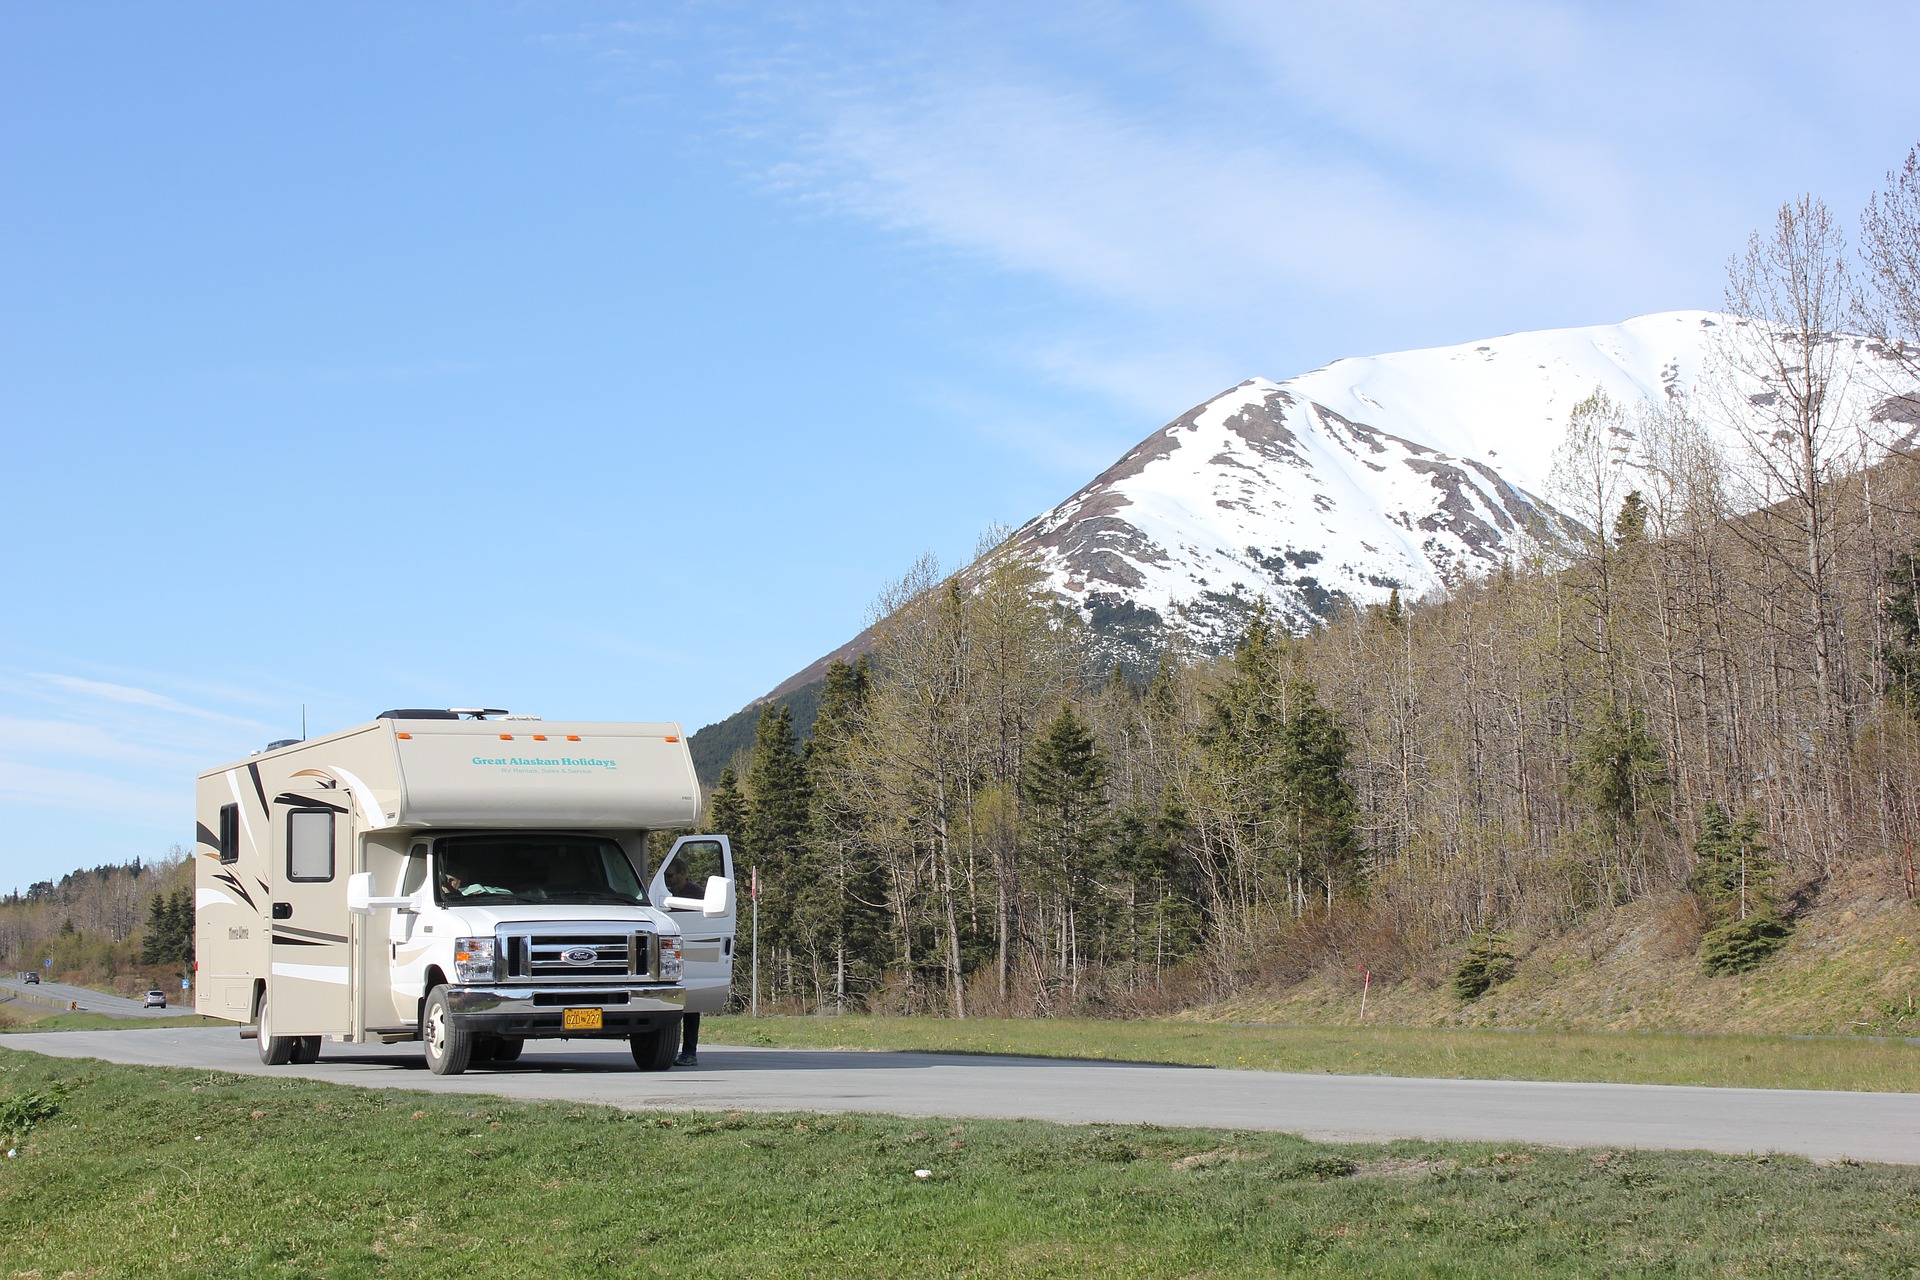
<point>494,870</point>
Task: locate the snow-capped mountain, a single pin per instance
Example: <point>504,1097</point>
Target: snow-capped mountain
<point>1404,471</point>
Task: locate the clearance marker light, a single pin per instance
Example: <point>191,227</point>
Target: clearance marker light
<point>506,737</point>
<point>403,735</point>
<point>573,737</point>
<point>671,738</point>
<point>539,737</point>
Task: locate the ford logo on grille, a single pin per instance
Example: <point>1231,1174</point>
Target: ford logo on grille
<point>580,955</point>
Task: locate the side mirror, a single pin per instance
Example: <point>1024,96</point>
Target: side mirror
<point>717,902</point>
<point>360,899</point>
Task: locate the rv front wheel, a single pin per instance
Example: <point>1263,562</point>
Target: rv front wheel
<point>448,1046</point>
<point>275,1051</point>
<point>654,1050</point>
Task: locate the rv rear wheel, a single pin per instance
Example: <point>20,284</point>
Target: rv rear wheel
<point>306,1049</point>
<point>654,1050</point>
<point>449,1047</point>
<point>275,1051</point>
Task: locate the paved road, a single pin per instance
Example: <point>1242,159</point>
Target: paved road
<point>91,1001</point>
<point>1826,1126</point>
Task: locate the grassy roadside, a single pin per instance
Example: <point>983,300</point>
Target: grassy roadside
<point>149,1172</point>
<point>16,1021</point>
<point>1761,1062</point>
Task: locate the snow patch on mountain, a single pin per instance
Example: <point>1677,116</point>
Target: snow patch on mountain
<point>1406,471</point>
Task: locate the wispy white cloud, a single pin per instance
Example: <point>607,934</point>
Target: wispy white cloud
<point>1282,184</point>
<point>106,691</point>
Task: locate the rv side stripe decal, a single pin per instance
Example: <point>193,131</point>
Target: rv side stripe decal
<point>299,801</point>
<point>212,898</point>
<point>206,837</point>
<point>292,932</point>
<point>332,973</point>
<point>259,788</point>
<point>280,941</point>
<point>227,877</point>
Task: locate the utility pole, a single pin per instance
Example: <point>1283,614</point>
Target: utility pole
<point>753,897</point>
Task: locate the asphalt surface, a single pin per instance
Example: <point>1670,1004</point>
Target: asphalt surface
<point>52,994</point>
<point>1822,1125</point>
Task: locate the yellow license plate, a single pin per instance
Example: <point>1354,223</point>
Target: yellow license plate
<point>580,1019</point>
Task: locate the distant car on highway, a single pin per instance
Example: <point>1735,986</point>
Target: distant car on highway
<point>156,999</point>
<point>34,979</point>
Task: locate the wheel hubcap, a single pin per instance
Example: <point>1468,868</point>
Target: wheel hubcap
<point>436,1033</point>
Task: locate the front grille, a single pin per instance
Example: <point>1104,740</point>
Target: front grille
<point>547,998</point>
<point>544,956</point>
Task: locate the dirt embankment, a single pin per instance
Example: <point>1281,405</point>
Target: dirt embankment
<point>1851,967</point>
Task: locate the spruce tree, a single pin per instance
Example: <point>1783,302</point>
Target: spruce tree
<point>1734,878</point>
<point>776,829</point>
<point>838,914</point>
<point>727,811</point>
<point>1901,653</point>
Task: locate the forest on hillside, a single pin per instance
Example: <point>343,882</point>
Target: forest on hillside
<point>96,923</point>
<point>1717,692</point>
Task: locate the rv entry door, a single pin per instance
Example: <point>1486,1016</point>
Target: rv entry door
<point>312,856</point>
<point>707,941</point>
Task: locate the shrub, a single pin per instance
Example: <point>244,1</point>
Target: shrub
<point>1488,963</point>
<point>1740,945</point>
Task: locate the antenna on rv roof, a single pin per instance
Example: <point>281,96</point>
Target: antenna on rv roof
<point>303,722</point>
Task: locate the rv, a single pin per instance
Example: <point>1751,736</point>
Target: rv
<point>461,878</point>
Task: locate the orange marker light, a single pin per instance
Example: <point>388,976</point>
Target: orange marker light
<point>539,737</point>
<point>670,738</point>
<point>506,737</point>
<point>403,735</point>
<point>573,737</point>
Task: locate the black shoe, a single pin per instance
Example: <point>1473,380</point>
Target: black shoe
<point>687,1060</point>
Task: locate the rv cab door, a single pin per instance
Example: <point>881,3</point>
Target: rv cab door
<point>707,941</point>
<point>311,854</point>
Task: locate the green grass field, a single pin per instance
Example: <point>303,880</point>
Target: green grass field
<point>21,1020</point>
<point>144,1172</point>
<point>1762,1062</point>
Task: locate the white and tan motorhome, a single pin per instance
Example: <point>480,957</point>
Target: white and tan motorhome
<point>468,881</point>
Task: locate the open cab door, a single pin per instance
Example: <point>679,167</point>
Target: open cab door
<point>694,884</point>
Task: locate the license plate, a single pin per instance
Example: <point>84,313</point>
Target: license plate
<point>580,1019</point>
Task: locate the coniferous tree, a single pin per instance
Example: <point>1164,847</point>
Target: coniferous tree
<point>1064,784</point>
<point>1735,878</point>
<point>1901,653</point>
<point>727,811</point>
<point>776,828</point>
<point>839,917</point>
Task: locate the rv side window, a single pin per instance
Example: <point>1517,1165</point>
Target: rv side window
<point>310,844</point>
<point>416,872</point>
<point>229,833</point>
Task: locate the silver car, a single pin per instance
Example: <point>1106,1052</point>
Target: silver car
<point>156,999</point>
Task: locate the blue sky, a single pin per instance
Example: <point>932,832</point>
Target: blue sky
<point>605,360</point>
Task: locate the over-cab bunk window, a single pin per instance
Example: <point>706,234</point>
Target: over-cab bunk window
<point>310,844</point>
<point>229,833</point>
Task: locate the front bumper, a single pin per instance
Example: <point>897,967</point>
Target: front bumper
<point>535,1013</point>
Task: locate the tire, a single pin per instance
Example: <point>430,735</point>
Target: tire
<point>655,1050</point>
<point>275,1051</point>
<point>306,1050</point>
<point>449,1047</point>
<point>483,1050</point>
<point>508,1050</point>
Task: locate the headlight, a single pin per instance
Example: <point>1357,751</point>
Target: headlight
<point>670,967</point>
<point>473,960</point>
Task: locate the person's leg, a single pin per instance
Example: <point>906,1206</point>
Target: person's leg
<point>689,1039</point>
